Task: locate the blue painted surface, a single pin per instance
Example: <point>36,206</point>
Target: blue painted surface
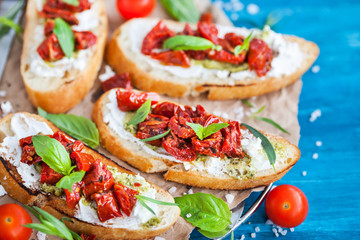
<point>331,183</point>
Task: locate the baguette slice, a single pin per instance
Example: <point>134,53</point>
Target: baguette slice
<point>131,150</point>
<point>15,184</point>
<point>124,55</point>
<point>56,93</point>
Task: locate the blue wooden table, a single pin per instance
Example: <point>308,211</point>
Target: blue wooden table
<point>331,181</point>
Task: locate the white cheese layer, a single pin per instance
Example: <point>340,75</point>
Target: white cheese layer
<point>23,126</point>
<point>287,61</point>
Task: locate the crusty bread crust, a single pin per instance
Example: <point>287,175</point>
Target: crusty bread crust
<point>73,87</point>
<point>121,63</point>
<point>175,171</point>
<point>58,207</point>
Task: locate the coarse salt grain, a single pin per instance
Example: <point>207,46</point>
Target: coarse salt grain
<point>318,143</point>
<point>41,236</point>
<point>315,114</point>
<point>257,229</point>
<point>2,93</point>
<point>252,9</point>
<point>253,235</point>
<point>238,6</point>
<point>159,238</point>
<point>283,232</point>
<point>190,191</point>
<point>292,229</point>
<point>188,215</point>
<point>269,222</point>
<point>274,230</point>
<point>304,173</point>
<point>229,198</point>
<point>315,156</point>
<point>2,191</point>
<point>227,6</point>
<point>315,69</point>
<point>234,16</point>
<point>6,108</point>
<point>172,190</point>
<point>242,237</point>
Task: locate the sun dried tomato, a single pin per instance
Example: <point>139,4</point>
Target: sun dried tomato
<point>234,39</point>
<point>73,197</point>
<point>50,50</point>
<point>188,31</point>
<point>197,55</point>
<point>152,126</point>
<point>83,160</point>
<point>259,57</point>
<point>87,237</point>
<point>25,141</point>
<point>118,81</point>
<point>209,31</point>
<point>165,109</point>
<point>29,155</point>
<point>156,37</point>
<point>84,40</point>
<point>49,27</point>
<point>206,17</point>
<point>97,180</point>
<point>224,56</point>
<point>178,126</point>
<point>172,58</point>
<point>210,146</point>
<point>77,146</point>
<point>83,5</point>
<point>49,176</point>
<point>179,148</point>
<point>107,206</point>
<point>226,45</point>
<point>125,197</point>
<point>52,13</point>
<point>129,100</point>
<point>62,138</point>
<point>232,140</point>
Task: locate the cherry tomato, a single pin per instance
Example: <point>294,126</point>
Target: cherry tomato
<point>286,206</point>
<point>135,8</point>
<point>12,217</point>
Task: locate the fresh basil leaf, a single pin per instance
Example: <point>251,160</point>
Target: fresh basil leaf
<point>67,182</point>
<point>246,102</point>
<point>146,206</point>
<point>257,112</point>
<point>141,113</point>
<point>144,198</point>
<point>266,144</point>
<point>65,36</point>
<point>159,136</point>
<point>184,10</point>
<point>212,235</point>
<point>53,153</point>
<point>208,212</point>
<point>213,128</point>
<point>78,127</point>
<point>184,42</point>
<point>270,121</point>
<point>72,2</point>
<point>244,46</point>
<point>198,129</point>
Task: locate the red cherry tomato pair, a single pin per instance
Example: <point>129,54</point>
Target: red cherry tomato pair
<point>135,8</point>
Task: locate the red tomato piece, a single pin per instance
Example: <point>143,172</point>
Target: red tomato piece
<point>206,17</point>
<point>197,55</point>
<point>107,206</point>
<point>25,141</point>
<point>173,58</point>
<point>62,138</point>
<point>84,40</point>
<point>118,81</point>
<point>234,39</point>
<point>49,27</point>
<point>126,198</point>
<point>209,31</point>
<point>152,126</point>
<point>53,12</point>
<point>130,101</point>
<point>260,57</point>
<point>97,180</point>
<point>286,206</point>
<point>137,184</point>
<point>12,219</point>
<point>178,148</point>
<point>83,160</point>
<point>156,37</point>
<point>77,146</point>
<point>166,109</point>
<point>225,56</point>
<point>49,176</point>
<point>50,50</point>
<point>188,31</point>
<point>87,237</point>
<point>179,128</point>
<point>73,197</point>
<point>135,8</point>
<point>29,155</point>
<point>210,146</point>
<point>232,140</point>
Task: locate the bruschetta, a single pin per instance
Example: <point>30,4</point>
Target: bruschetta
<point>103,203</point>
<point>54,79</point>
<point>229,158</point>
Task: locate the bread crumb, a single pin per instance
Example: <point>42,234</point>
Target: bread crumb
<point>253,235</point>
<point>2,93</point>
<point>252,9</point>
<point>318,143</point>
<point>172,190</point>
<point>315,156</point>
<point>257,229</point>
<point>315,69</point>
<point>229,198</point>
<point>2,191</point>
<point>292,229</point>
<point>188,215</point>
<point>304,173</point>
<point>41,236</point>
<point>314,115</point>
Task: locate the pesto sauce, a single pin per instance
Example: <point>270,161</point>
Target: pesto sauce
<point>130,128</point>
<point>52,189</point>
<point>152,222</point>
<point>212,64</point>
<point>240,168</point>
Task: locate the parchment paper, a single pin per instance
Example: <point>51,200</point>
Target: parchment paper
<point>281,106</point>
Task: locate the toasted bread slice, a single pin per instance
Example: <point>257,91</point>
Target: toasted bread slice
<point>20,181</point>
<point>293,57</point>
<point>252,171</point>
<point>59,86</point>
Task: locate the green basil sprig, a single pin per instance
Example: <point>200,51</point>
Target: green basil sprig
<point>244,46</point>
<point>266,144</point>
<point>51,225</point>
<point>141,113</point>
<point>72,2</point>
<point>78,127</point>
<point>156,137</point>
<point>54,154</point>
<point>184,42</point>
<point>183,10</point>
<point>65,36</point>
<point>7,21</point>
<point>204,132</point>
<point>272,122</point>
<point>246,102</point>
